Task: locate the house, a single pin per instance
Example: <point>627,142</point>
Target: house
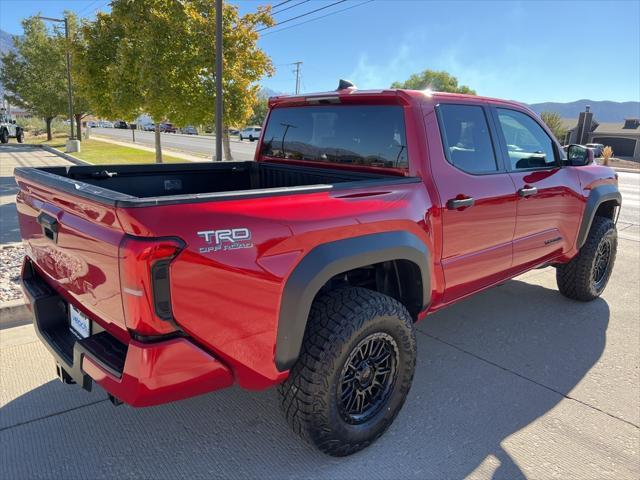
<point>623,137</point>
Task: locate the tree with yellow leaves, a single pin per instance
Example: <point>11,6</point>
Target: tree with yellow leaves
<point>158,57</point>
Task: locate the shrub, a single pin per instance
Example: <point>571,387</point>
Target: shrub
<point>607,153</point>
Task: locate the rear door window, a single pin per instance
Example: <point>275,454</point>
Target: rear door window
<point>372,135</point>
<point>466,138</point>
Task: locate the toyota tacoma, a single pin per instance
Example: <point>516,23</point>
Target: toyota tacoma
<point>308,268</point>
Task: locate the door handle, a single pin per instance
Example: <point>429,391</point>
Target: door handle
<point>456,203</point>
<point>527,191</point>
<point>50,226</point>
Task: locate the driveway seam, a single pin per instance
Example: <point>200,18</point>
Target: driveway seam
<point>478,357</point>
<point>33,420</point>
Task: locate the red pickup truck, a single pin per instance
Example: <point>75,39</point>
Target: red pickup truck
<point>363,212</point>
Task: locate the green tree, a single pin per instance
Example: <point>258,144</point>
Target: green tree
<point>34,75</point>
<point>81,105</point>
<point>555,124</point>
<point>438,81</point>
<point>158,57</point>
<point>260,109</point>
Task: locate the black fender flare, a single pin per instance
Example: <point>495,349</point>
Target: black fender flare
<point>329,259</point>
<point>597,196</point>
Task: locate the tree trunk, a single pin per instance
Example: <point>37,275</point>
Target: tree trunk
<point>78,117</point>
<point>225,144</point>
<point>48,120</point>
<point>158,146</point>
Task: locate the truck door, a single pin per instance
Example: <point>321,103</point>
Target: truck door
<point>549,206</point>
<point>477,195</point>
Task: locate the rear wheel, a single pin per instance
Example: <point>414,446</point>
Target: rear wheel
<point>20,136</point>
<point>251,138</point>
<point>4,136</point>
<point>241,138</point>
<point>585,277</point>
<point>354,371</point>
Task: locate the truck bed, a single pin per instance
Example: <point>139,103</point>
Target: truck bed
<point>145,185</point>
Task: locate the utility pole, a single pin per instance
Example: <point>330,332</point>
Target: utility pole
<point>65,20</point>
<point>218,156</point>
<point>297,64</point>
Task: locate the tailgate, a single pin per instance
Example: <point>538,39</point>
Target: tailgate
<point>74,241</point>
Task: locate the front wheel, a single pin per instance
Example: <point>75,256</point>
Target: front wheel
<point>354,371</point>
<point>585,277</point>
<point>241,138</point>
<point>20,137</point>
<point>4,136</point>
<point>251,138</point>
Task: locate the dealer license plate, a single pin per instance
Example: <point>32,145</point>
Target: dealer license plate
<point>80,324</point>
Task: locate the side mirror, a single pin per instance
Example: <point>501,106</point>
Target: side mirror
<point>579,155</point>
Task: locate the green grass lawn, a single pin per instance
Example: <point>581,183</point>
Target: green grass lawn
<point>103,153</point>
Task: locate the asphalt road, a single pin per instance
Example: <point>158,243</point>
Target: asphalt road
<point>195,144</point>
<point>515,382</point>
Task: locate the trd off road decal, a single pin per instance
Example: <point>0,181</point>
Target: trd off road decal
<point>226,239</point>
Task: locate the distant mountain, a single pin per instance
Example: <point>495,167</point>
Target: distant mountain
<point>6,45</point>
<point>6,42</point>
<point>267,92</point>
<point>603,111</point>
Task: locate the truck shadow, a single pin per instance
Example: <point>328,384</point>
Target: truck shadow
<point>487,368</point>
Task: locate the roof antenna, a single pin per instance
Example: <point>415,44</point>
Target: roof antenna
<point>345,84</point>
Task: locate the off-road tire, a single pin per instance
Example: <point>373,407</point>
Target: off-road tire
<point>251,139</point>
<point>20,136</point>
<point>576,278</point>
<point>339,322</point>
<point>4,136</point>
<point>241,138</point>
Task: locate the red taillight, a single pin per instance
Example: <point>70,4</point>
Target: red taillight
<point>144,282</point>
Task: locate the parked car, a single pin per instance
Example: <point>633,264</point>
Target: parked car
<point>189,130</point>
<point>9,128</point>
<point>149,127</point>
<point>106,124</point>
<point>121,124</point>
<point>93,124</point>
<point>167,127</point>
<point>309,267</point>
<point>252,133</point>
<point>596,147</point>
<point>233,131</point>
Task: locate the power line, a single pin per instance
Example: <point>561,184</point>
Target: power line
<point>87,7</point>
<point>317,18</point>
<point>281,3</point>
<point>303,15</point>
<point>289,8</point>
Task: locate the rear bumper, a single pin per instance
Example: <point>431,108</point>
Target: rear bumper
<point>139,374</point>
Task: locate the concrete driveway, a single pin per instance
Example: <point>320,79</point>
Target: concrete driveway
<point>12,156</point>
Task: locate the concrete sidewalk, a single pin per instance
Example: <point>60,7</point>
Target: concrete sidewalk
<point>12,156</point>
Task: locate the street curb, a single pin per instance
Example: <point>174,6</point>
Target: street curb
<point>66,156</point>
<point>626,170</point>
<point>14,313</point>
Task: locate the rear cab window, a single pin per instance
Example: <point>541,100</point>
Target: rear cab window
<point>364,135</point>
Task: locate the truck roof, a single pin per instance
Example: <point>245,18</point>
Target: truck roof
<point>393,95</point>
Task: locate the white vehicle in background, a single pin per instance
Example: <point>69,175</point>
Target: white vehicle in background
<point>93,124</point>
<point>106,124</point>
<point>252,133</point>
<point>9,128</point>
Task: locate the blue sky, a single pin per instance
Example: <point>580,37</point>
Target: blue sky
<point>530,51</point>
